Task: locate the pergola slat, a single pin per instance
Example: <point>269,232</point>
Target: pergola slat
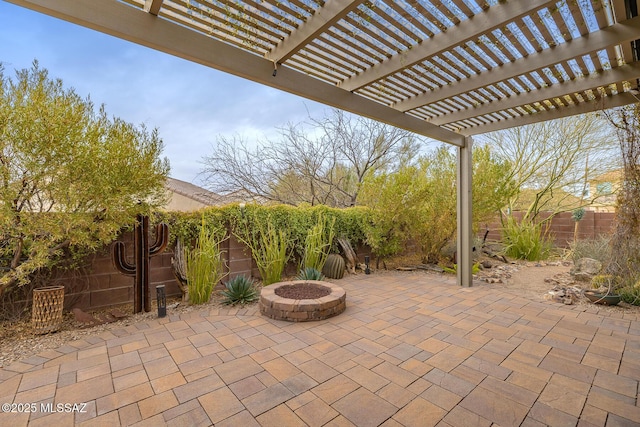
<point>351,40</point>
<point>556,113</point>
<point>627,72</point>
<point>153,6</point>
<point>616,34</point>
<point>212,24</point>
<point>411,17</point>
<point>491,49</point>
<point>467,30</point>
<point>331,13</point>
<point>578,18</point>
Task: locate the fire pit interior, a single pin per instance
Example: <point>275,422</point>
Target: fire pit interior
<point>304,290</point>
<point>302,300</point>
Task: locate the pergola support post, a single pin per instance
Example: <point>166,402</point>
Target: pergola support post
<point>464,204</point>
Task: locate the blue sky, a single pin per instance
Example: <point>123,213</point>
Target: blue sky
<point>191,105</point>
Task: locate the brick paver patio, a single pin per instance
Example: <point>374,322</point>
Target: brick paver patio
<point>412,349</point>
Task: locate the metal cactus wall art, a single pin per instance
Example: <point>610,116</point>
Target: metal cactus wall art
<point>143,252</point>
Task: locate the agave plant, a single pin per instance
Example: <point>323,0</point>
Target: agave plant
<point>310,273</point>
<point>240,290</point>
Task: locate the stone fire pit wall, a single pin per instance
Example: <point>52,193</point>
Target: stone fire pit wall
<point>302,310</point>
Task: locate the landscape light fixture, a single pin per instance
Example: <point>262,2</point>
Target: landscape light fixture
<point>162,300</point>
<point>367,259</point>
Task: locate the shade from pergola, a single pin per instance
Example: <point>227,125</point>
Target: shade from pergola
<point>445,69</point>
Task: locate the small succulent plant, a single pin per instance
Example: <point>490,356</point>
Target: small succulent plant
<point>334,267</point>
<point>310,274</point>
<point>240,290</point>
<point>606,281</point>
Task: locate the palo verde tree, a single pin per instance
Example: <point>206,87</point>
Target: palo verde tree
<point>70,176</point>
<point>324,162</point>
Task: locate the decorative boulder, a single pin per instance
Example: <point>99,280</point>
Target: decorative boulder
<point>585,268</point>
<point>334,267</point>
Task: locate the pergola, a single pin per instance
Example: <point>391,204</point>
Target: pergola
<point>444,69</point>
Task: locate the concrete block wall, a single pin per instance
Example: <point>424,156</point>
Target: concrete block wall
<point>99,285</point>
<point>561,227</point>
<point>238,259</point>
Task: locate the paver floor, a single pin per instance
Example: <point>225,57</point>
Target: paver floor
<point>412,349</point>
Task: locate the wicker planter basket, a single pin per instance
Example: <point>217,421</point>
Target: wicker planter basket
<point>46,312</point>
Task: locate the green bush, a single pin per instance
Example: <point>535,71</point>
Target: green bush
<point>475,269</point>
<point>417,202</point>
<point>71,178</point>
<point>239,290</point>
<point>310,273</point>
<point>205,266</point>
<point>630,295</point>
<point>186,226</point>
<point>598,248</point>
<point>349,223</point>
<point>526,240</point>
<point>273,234</point>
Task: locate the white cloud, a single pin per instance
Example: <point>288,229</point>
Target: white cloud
<point>189,104</point>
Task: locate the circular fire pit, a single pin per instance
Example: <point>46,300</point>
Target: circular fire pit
<point>302,300</point>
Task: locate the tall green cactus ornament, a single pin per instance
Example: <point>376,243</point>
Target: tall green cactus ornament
<point>143,252</point>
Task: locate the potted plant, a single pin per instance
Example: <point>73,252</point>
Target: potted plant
<point>604,289</point>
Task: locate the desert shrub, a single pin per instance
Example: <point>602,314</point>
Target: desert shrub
<point>273,234</point>
<point>310,273</point>
<point>598,248</point>
<point>205,266</point>
<point>418,201</point>
<point>625,260</point>
<point>270,247</point>
<point>239,290</point>
<point>186,226</point>
<point>318,243</point>
<point>526,240</point>
<point>475,268</point>
<point>625,264</point>
<point>273,255</point>
<point>631,294</point>
<point>251,223</point>
<point>621,272</point>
